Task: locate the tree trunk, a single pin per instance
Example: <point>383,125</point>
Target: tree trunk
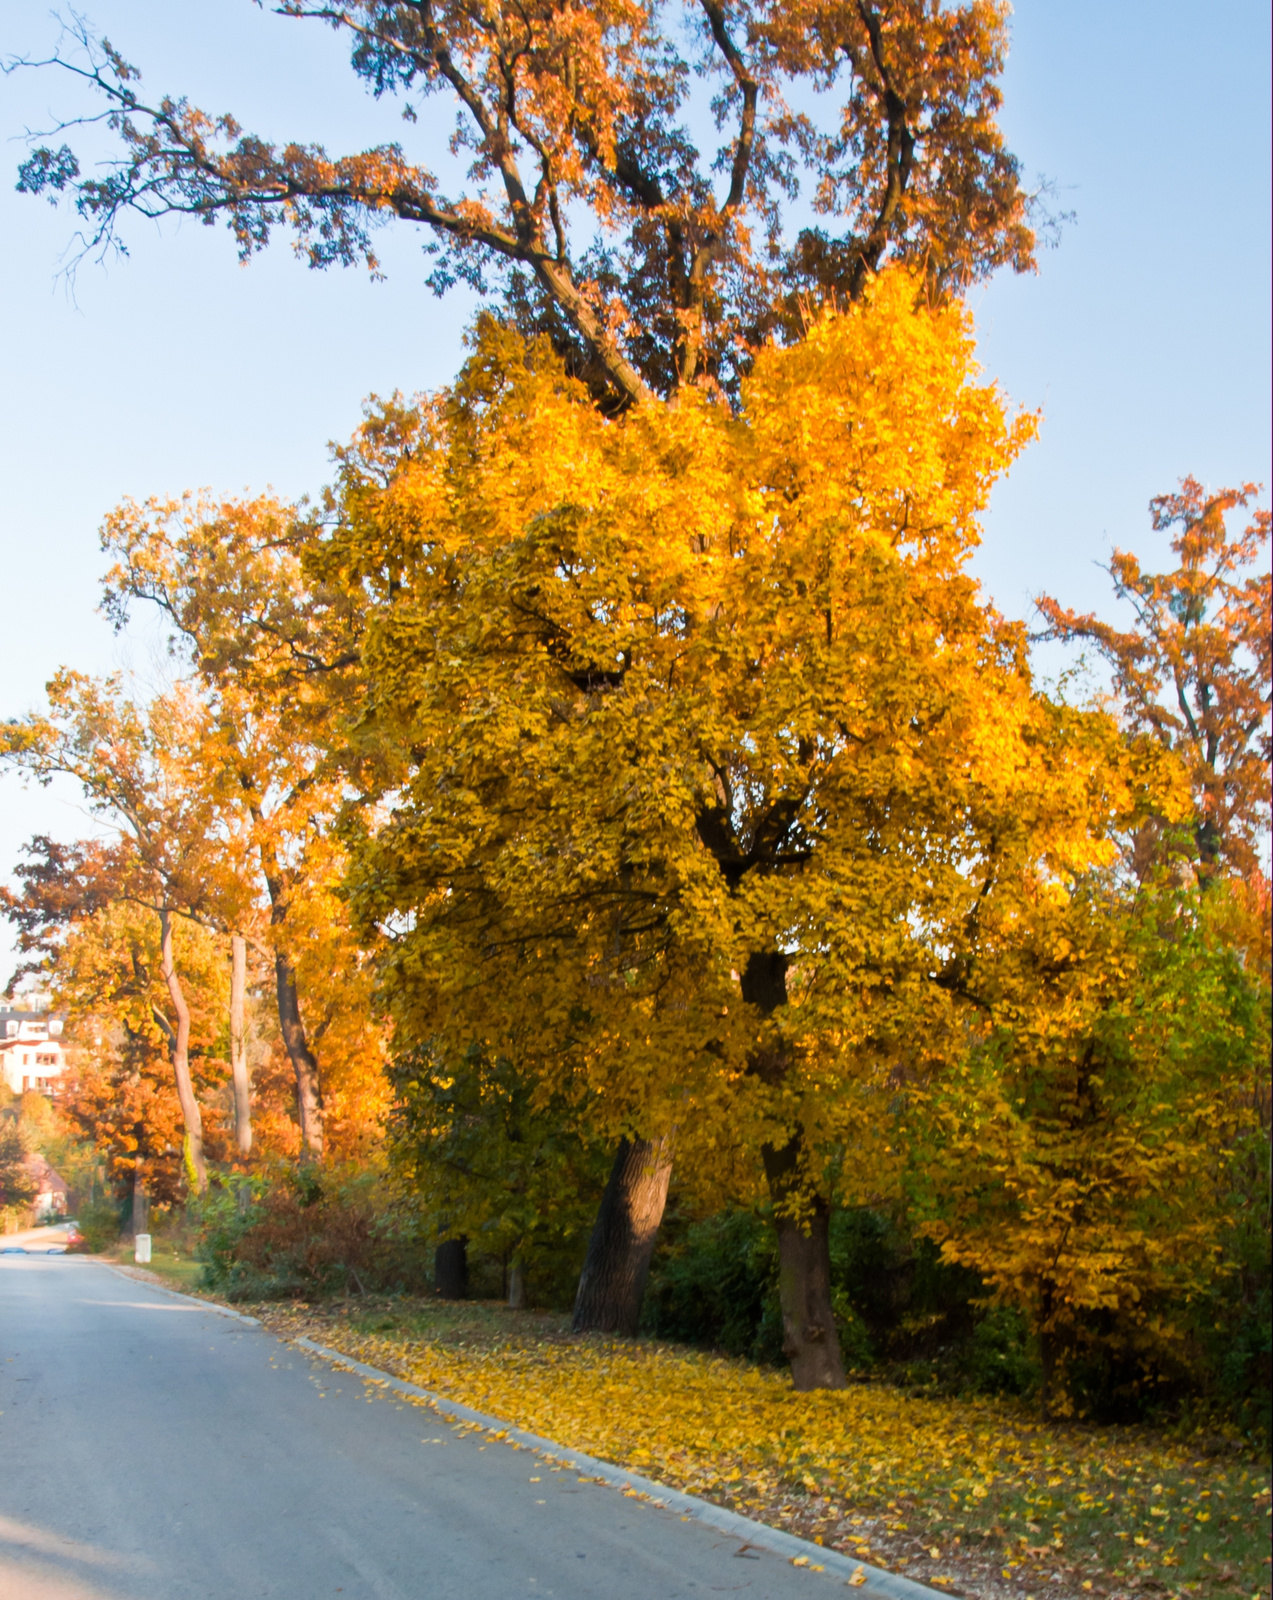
<point>239,1044</point>
<point>516,1285</point>
<point>309,1099</point>
<point>1053,1400</point>
<point>451,1269</point>
<point>309,1104</point>
<point>179,1039</point>
<point>809,1338</point>
<point>141,1200</point>
<point>615,1270</point>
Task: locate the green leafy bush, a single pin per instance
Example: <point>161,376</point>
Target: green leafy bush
<point>101,1222</point>
<point>714,1282</point>
<point>900,1311</point>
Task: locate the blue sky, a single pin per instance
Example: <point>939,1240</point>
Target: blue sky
<point>1144,339</point>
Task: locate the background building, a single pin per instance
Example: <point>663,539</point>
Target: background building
<point>31,1053</point>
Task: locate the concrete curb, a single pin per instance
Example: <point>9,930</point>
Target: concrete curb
<point>873,1582</point>
<point>176,1294</point>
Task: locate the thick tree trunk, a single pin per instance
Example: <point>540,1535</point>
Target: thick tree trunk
<point>309,1104</point>
<point>451,1269</point>
<point>179,1039</point>
<point>612,1283</point>
<point>516,1285</point>
<point>239,1044</point>
<point>809,1338</point>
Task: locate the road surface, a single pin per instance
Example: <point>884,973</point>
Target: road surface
<point>154,1450</point>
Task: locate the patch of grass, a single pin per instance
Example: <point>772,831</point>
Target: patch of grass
<point>976,1495</point>
<point>469,1324</point>
<point>177,1267</point>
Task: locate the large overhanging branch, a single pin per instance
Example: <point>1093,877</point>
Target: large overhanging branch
<point>176,169</point>
<point>574,115</point>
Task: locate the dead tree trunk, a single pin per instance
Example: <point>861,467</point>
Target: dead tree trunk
<point>615,1270</point>
<point>179,1041</point>
<point>809,1338</point>
<point>239,1044</point>
<point>309,1104</point>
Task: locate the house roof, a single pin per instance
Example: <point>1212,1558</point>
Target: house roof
<point>48,1177</point>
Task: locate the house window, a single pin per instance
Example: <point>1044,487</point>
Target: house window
<point>46,1061</point>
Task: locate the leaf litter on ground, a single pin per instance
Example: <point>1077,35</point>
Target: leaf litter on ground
<point>973,1496</point>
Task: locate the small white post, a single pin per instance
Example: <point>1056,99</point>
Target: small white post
<point>141,1249</point>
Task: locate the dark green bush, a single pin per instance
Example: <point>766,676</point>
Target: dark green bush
<point>714,1283</point>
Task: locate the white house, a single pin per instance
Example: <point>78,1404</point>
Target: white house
<point>31,1053</point>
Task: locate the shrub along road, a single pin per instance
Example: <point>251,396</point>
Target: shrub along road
<point>156,1449</point>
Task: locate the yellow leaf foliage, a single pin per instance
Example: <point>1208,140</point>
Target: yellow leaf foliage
<point>653,695</point>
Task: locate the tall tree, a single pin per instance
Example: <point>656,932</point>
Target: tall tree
<point>99,950</point>
<point>139,770</point>
<point>591,198</point>
<point>1194,669</point>
<point>588,170</point>
<point>275,657</point>
<point>239,1075</point>
<point>709,759</point>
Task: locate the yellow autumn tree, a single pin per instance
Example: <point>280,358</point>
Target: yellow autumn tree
<point>702,759</point>
<point>273,659</point>
<point>1082,1156</point>
<point>107,971</point>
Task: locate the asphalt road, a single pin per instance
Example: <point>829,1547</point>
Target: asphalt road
<point>154,1450</point>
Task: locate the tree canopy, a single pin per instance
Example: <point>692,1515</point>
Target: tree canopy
<point>711,778</point>
<point>1193,669</point>
<point>629,163</point>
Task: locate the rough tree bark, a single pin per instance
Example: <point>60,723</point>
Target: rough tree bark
<point>179,1042</point>
<point>239,1045</point>
<point>809,1338</point>
<point>309,1104</point>
<point>615,1270</point>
